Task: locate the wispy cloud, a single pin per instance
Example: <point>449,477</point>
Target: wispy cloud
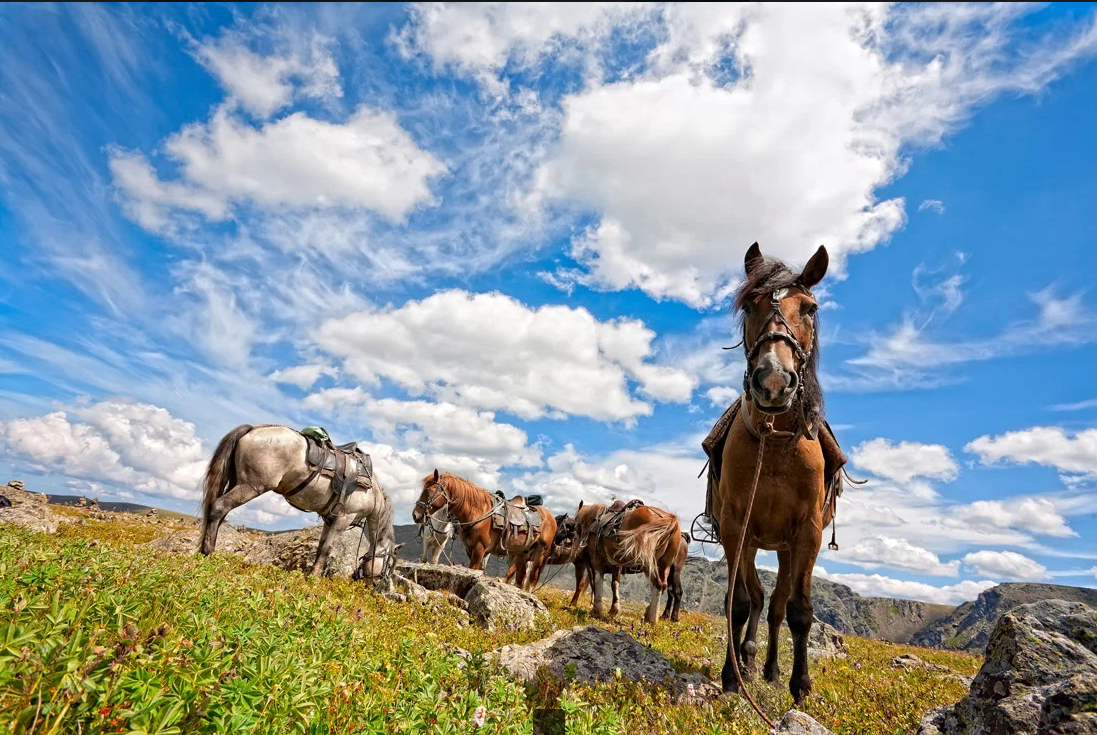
<point>932,205</point>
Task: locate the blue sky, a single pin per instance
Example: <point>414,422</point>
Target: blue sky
<point>499,240</point>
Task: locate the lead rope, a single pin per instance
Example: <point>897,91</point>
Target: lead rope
<point>767,427</point>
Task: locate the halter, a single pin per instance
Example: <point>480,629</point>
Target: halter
<point>440,489</point>
<point>789,338</point>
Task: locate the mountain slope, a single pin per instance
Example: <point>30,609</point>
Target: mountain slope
<point>969,626</point>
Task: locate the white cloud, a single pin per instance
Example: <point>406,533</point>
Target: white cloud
<point>932,205</point>
<point>448,429</point>
<point>1046,445</point>
<point>905,461</point>
<point>368,162</point>
<point>1077,406</point>
<point>686,167</point>
<point>492,352</point>
<point>721,395</point>
<point>1006,565</point>
<point>124,444</point>
<point>876,585</point>
<point>898,553</point>
<point>303,376</point>
<point>1037,515</point>
<point>265,84</point>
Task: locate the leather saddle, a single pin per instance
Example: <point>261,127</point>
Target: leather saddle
<point>517,516</point>
<point>609,520</point>
<point>348,467</point>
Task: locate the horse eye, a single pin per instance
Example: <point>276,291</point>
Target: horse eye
<point>810,309</point>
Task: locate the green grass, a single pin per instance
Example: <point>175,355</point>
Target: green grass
<point>101,635</point>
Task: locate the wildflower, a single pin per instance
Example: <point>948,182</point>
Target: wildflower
<point>689,691</point>
<point>479,716</point>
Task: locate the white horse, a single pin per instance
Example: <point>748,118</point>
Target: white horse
<point>252,460</point>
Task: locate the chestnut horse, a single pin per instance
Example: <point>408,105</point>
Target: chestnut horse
<point>566,549</point>
<point>470,510</point>
<point>648,538</point>
<point>781,398</point>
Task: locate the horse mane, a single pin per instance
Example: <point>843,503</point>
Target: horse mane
<point>762,280</point>
<point>463,491</point>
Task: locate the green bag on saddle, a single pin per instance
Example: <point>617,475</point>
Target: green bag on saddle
<point>318,433</point>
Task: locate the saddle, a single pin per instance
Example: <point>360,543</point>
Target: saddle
<point>608,523</point>
<point>833,457</point>
<point>348,467</point>
<point>515,516</point>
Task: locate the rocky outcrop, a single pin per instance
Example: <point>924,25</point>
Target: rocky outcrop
<point>910,662</point>
<point>590,653</point>
<point>826,642</point>
<point>297,550</point>
<point>29,510</point>
<point>796,722</point>
<point>969,626</point>
<point>229,541</point>
<point>1039,677</point>
<point>491,603</point>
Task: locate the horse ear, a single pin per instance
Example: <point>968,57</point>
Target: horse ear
<point>816,268</point>
<point>561,518</point>
<point>397,547</point>
<point>753,259</point>
<point>580,505</point>
<point>436,474</point>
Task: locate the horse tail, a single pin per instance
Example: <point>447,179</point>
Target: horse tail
<point>221,472</point>
<point>644,545</point>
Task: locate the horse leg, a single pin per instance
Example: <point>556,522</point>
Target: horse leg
<point>749,651</point>
<point>615,589</point>
<point>597,584</point>
<point>671,584</point>
<point>220,508</point>
<point>740,611</point>
<point>580,582</point>
<point>677,593</point>
<point>537,566</point>
<point>652,615</point>
<point>778,602</point>
<point>477,557</point>
<point>801,613</point>
<point>327,537</point>
<point>428,543</point>
<point>521,563</point>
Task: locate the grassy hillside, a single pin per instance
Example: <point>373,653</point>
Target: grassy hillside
<point>104,635</point>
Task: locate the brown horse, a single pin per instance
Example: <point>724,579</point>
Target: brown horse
<point>566,549</point>
<point>782,402</point>
<point>470,510</point>
<point>648,538</point>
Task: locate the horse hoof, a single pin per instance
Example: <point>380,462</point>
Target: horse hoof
<point>800,689</point>
<point>773,676</point>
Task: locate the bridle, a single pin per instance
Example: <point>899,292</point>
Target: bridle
<point>389,557</point>
<point>439,489</point>
<point>789,338</point>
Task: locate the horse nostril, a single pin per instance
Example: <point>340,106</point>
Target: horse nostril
<point>793,379</point>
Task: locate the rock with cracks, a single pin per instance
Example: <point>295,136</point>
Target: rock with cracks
<point>491,603</point>
<point>590,654</point>
<point>826,642</point>
<point>796,722</point>
<point>292,550</point>
<point>1039,677</point>
<point>229,541</point>
<point>909,662</point>
<point>29,510</point>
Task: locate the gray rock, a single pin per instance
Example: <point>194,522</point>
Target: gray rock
<point>292,550</point>
<point>590,653</point>
<point>909,662</point>
<point>490,603</point>
<point>826,642</point>
<point>29,510</point>
<point>229,541</point>
<point>1039,677</point>
<point>796,722</point>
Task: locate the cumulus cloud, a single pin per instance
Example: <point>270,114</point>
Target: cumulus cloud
<point>1006,565</point>
<point>368,162</point>
<point>721,395</point>
<point>263,84</point>
<point>116,442</point>
<point>303,376</point>
<point>1050,446</point>
<point>447,429</point>
<point>876,585</point>
<point>905,461</point>
<point>1040,516</point>
<point>490,351</point>
<point>898,553</point>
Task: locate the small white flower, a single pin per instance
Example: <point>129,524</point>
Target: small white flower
<point>689,690</point>
<point>479,716</point>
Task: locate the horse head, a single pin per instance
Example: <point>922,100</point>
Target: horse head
<point>780,333</point>
<point>432,498</point>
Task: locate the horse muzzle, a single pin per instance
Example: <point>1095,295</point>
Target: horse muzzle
<point>773,388</point>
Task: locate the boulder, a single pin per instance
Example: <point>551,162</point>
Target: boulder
<point>297,550</point>
<point>1039,677</point>
<point>908,662</point>
<point>796,722</point>
<point>29,510</point>
<point>229,541</point>
<point>490,602</point>
<point>590,653</point>
<point>826,642</point>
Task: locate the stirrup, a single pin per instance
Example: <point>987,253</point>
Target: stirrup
<point>705,529</point>
<point>833,546</point>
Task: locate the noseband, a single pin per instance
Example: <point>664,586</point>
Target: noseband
<point>789,338</point>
